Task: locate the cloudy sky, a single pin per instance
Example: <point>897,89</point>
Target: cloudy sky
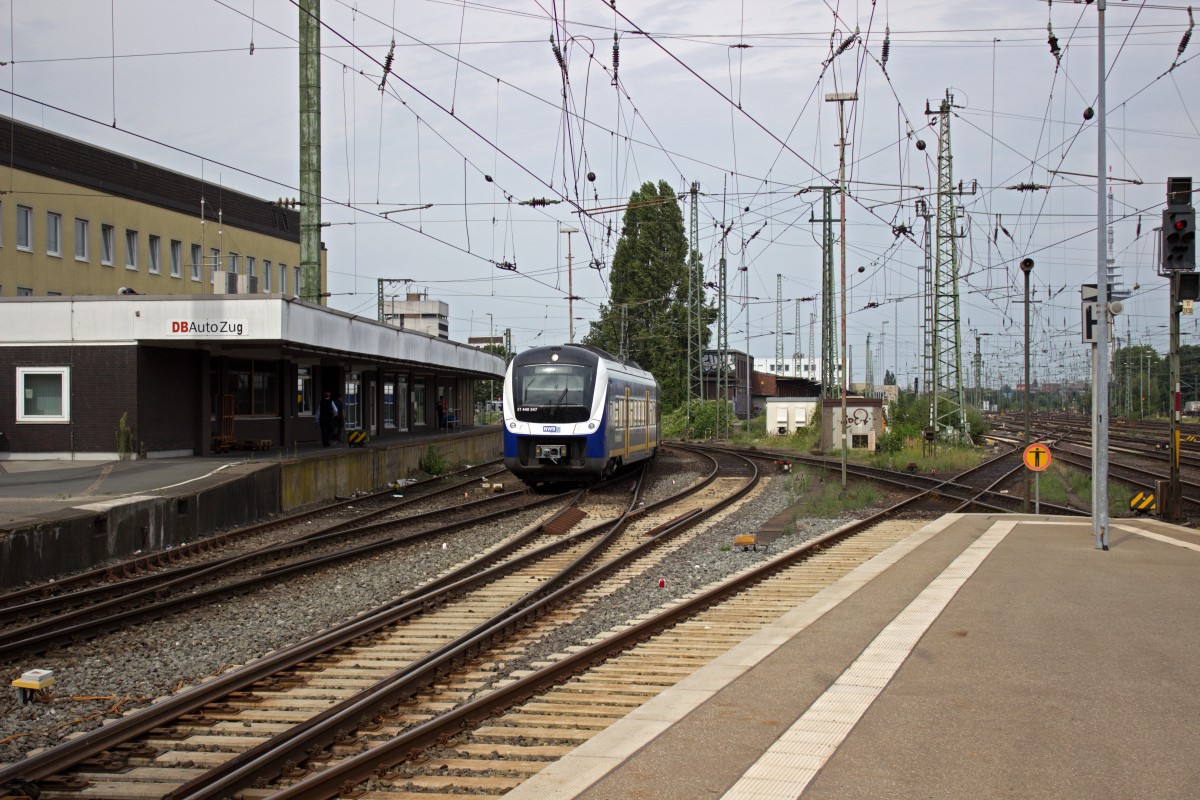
<point>482,113</point>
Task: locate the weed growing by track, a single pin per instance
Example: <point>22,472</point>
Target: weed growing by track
<point>818,495</point>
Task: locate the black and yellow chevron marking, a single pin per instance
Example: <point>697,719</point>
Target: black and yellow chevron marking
<point>356,438</point>
<point>1143,503</point>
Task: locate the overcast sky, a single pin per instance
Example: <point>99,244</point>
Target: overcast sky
<point>726,93</point>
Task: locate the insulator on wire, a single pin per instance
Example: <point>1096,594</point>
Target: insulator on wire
<point>616,57</point>
<point>387,65</point>
<point>1187,35</point>
<point>887,47</point>
<point>558,56</point>
<point>1055,50</point>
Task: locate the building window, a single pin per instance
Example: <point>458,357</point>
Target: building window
<point>24,228</point>
<point>304,391</point>
<point>266,284</point>
<point>24,291</point>
<point>214,257</point>
<point>389,403</point>
<point>82,248</point>
<point>131,249</point>
<point>402,403</point>
<point>155,248</point>
<point>296,282</point>
<point>418,402</point>
<point>282,278</point>
<point>108,244</point>
<point>197,257</point>
<point>233,263</point>
<point>53,233</point>
<point>43,394</point>
<point>255,385</point>
<point>250,266</point>
<point>176,258</point>
<point>351,403</point>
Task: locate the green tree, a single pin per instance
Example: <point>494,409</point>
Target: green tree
<point>495,387</point>
<point>649,292</point>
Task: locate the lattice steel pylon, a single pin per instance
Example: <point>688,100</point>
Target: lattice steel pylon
<point>949,406</point>
<point>812,338</point>
<point>830,386</point>
<point>778,323</point>
<point>695,306</point>
<point>796,345</point>
<point>723,421</point>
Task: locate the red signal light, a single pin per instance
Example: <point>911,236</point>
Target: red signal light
<point>1180,224</point>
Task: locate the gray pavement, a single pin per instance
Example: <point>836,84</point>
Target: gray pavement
<point>37,489</point>
<point>1054,670</point>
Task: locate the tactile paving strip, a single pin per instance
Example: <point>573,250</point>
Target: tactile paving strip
<point>787,768</point>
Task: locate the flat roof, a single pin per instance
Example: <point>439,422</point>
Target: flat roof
<point>229,320</point>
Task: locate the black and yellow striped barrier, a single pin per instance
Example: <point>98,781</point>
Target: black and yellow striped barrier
<point>357,438</point>
<point>1143,503</point>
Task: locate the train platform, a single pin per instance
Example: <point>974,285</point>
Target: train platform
<point>983,656</point>
<point>37,490</point>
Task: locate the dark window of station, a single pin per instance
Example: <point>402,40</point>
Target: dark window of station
<point>255,385</point>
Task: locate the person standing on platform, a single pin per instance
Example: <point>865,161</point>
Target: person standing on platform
<point>441,413</point>
<point>327,416</point>
<point>339,417</point>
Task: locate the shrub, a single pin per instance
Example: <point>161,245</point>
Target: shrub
<point>124,438</point>
<point>434,463</point>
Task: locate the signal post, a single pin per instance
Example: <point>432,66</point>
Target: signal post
<point>1178,265</point>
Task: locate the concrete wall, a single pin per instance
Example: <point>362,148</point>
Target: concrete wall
<point>86,537</point>
<point>342,472</point>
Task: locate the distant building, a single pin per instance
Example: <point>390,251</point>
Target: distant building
<point>418,313</point>
<point>76,219</point>
<point>791,368</point>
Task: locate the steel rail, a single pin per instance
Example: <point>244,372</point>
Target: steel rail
<point>64,627</point>
<point>132,567</point>
<point>270,759</point>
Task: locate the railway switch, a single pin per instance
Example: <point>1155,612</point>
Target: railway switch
<point>33,684</point>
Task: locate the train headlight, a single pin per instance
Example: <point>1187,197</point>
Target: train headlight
<point>591,426</point>
<point>512,424</point>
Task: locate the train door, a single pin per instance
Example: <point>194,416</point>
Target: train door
<point>649,438</point>
<point>625,421</point>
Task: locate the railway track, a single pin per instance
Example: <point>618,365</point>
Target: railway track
<point>37,624</point>
<point>406,726</point>
<point>194,556</point>
<point>425,670</point>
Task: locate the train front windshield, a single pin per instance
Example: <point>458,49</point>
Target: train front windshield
<point>553,392</point>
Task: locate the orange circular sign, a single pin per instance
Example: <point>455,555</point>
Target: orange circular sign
<point>1037,457</point>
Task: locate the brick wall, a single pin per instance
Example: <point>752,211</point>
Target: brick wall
<point>103,382</point>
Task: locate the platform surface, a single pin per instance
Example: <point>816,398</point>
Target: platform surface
<point>983,657</point>
<point>38,489</point>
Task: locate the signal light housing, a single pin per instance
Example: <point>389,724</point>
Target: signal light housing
<point>1179,239</point>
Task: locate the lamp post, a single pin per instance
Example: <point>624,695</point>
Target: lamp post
<point>491,381</point>
<point>841,98</point>
<point>570,287</point>
<point>883,359</point>
<point>1026,267</point>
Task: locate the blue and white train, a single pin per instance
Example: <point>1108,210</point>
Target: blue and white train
<point>575,413</point>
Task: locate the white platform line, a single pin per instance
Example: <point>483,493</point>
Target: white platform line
<point>787,768</point>
<point>1158,537</point>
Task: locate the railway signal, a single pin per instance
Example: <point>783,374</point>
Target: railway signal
<point>1179,239</point>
